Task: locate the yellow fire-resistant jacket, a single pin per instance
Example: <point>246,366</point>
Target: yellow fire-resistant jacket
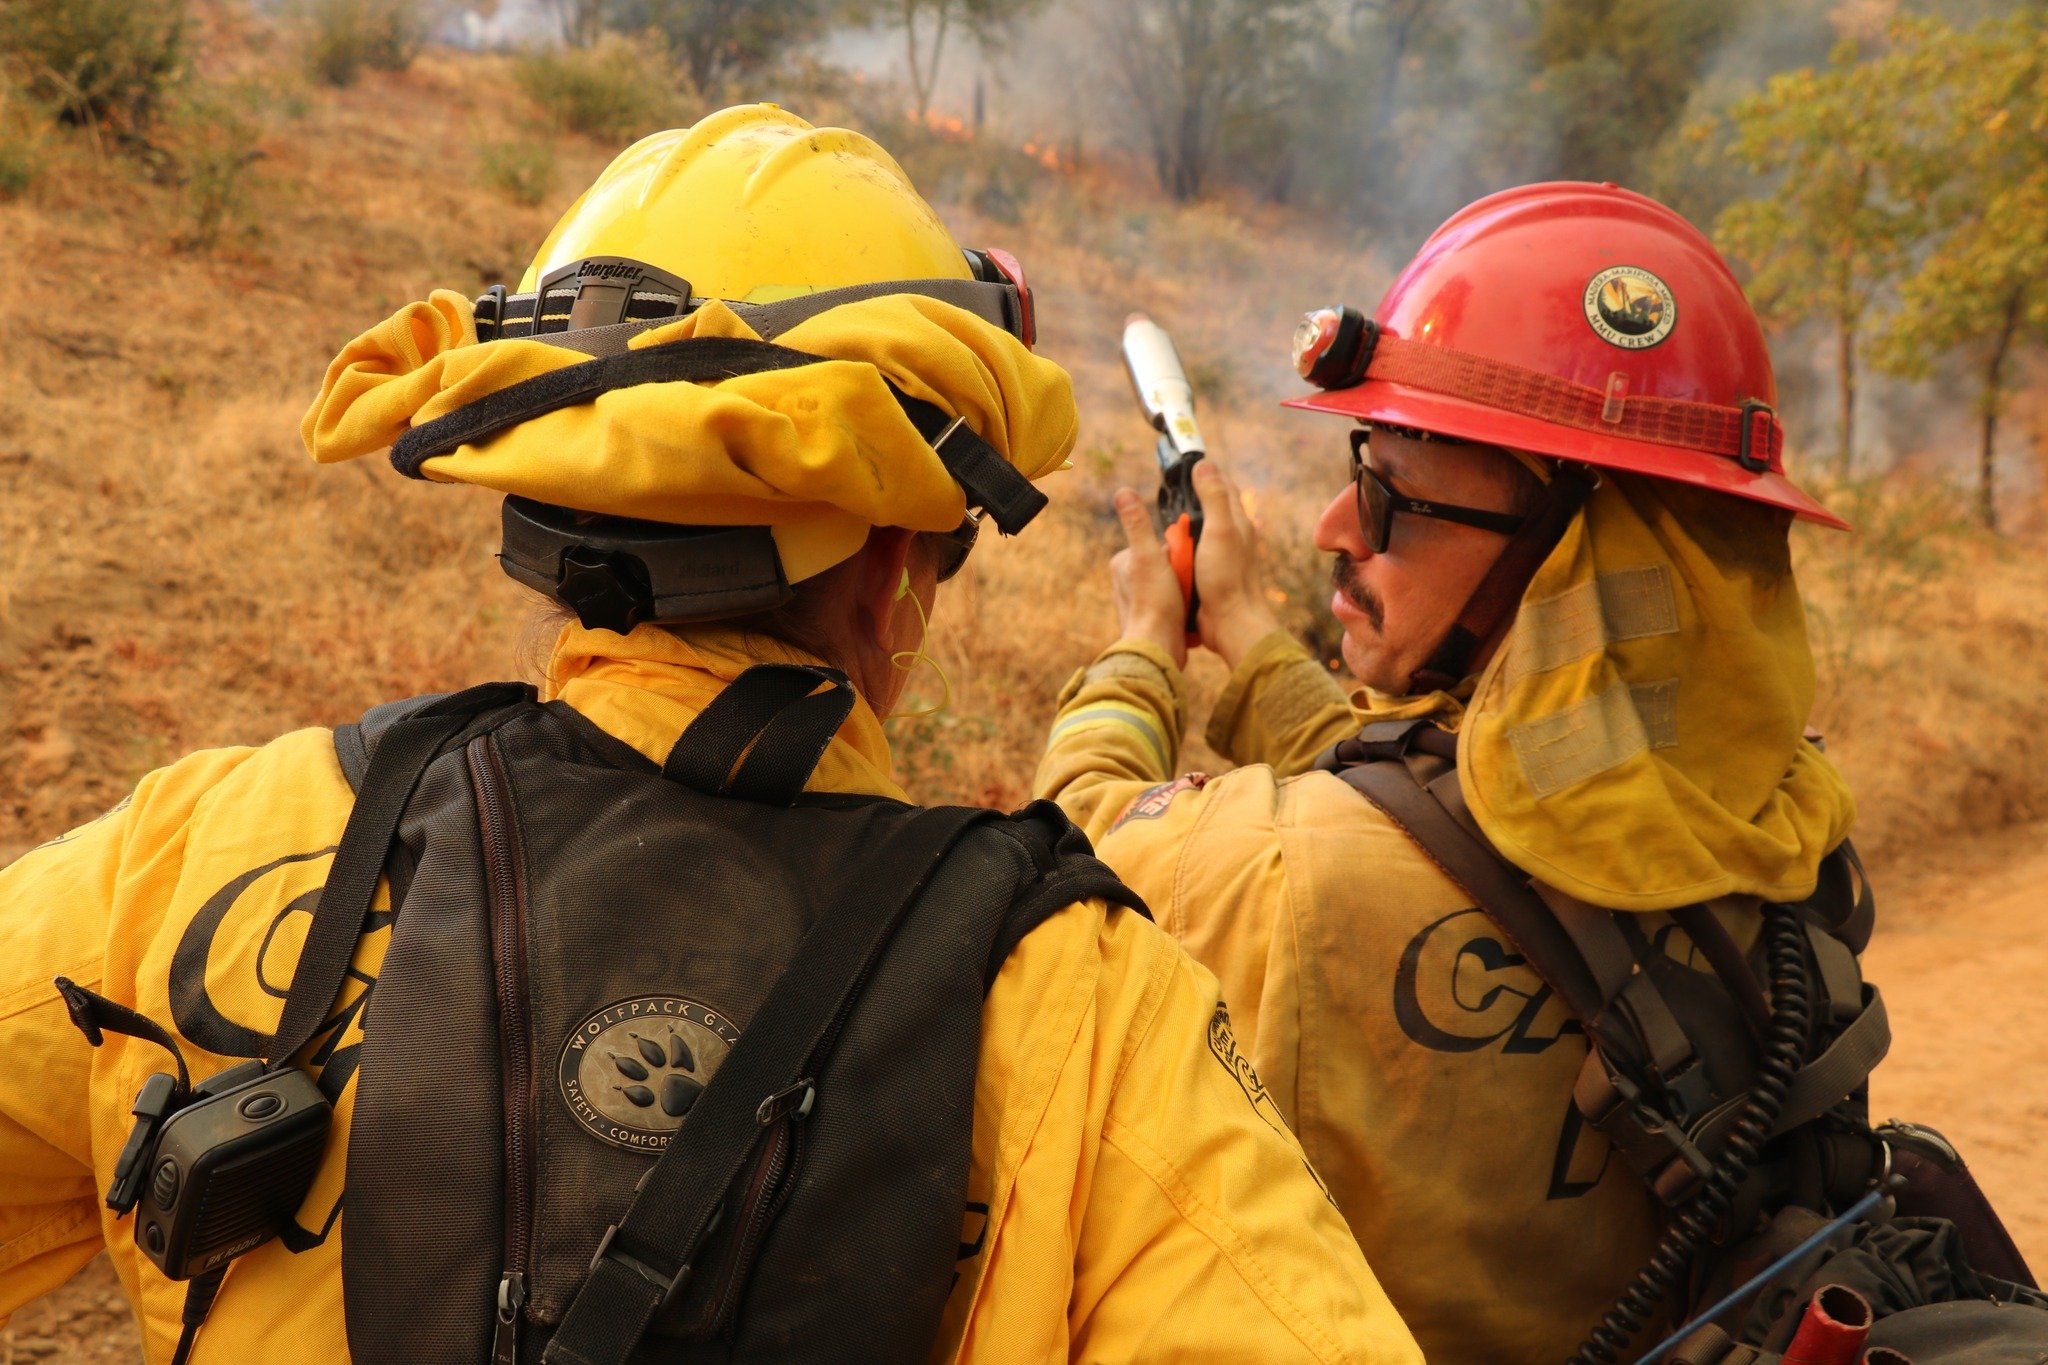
<point>1427,1070</point>
<point>1144,1201</point>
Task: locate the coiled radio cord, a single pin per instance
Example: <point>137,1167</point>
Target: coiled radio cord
<point>1784,1050</point>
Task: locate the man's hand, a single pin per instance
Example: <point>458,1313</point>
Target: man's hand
<point>1148,601</point>
<point>1234,614</point>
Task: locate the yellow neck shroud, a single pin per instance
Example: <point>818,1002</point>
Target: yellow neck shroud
<point>1638,739</point>
<point>820,453</point>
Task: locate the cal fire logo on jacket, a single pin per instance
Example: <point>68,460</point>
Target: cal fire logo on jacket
<point>250,930</point>
<point>1460,987</point>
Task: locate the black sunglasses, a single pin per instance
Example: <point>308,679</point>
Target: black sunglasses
<point>956,544</point>
<point>1378,502</point>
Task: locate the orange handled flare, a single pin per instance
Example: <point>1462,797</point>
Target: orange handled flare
<point>1169,403</point>
<point>1180,552</point>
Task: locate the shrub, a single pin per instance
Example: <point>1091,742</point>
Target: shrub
<point>103,64</point>
<point>19,164</point>
<point>21,149</point>
<point>521,170</point>
<point>209,152</point>
<point>616,89</point>
<point>342,37</point>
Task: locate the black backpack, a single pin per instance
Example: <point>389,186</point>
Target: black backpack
<point>1739,1097</point>
<point>667,1064</point>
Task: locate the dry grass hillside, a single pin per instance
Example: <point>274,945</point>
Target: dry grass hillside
<point>175,573</point>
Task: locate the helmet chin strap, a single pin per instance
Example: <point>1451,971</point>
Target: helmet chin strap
<point>1487,613</point>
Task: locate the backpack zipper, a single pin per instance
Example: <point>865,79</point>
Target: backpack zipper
<point>506,882</point>
<point>767,1191</point>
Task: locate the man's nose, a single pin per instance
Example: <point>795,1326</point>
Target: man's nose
<point>1337,529</point>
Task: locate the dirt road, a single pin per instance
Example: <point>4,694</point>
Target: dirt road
<point>1961,955</point>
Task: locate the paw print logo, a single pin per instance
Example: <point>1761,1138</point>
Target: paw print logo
<point>663,1073</point>
<point>631,1072</point>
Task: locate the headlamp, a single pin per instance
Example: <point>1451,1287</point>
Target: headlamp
<point>1333,346</point>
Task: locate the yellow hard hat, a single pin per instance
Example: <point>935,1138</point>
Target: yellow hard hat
<point>754,204</point>
<point>746,346</point>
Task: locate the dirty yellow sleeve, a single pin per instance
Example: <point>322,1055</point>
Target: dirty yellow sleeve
<point>1280,708</point>
<point>1148,1202</point>
<point>1116,735</point>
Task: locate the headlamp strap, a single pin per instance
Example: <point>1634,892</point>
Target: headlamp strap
<point>1749,434</point>
<point>551,312</point>
<point>1493,603</point>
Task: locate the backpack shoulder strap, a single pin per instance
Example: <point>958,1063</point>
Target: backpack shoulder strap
<point>355,742</point>
<point>395,748</point>
<point>1505,896</point>
<point>769,1075</point>
<point>1068,871</point>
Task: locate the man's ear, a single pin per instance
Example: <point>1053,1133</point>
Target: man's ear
<point>883,562</point>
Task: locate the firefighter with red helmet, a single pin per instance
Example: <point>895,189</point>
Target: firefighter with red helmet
<point>1561,566</point>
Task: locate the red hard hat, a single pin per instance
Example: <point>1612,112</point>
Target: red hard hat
<point>1578,321</point>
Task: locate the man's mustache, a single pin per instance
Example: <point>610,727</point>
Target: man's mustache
<point>1344,577</point>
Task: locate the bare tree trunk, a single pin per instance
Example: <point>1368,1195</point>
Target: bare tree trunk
<point>1994,380</point>
<point>1386,103</point>
<point>581,20</point>
<point>1845,391</point>
<point>924,79</point>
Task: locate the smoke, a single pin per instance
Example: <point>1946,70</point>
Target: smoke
<point>1472,110</point>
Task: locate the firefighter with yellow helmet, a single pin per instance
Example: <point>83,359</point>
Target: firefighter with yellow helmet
<point>1573,787</point>
<point>641,1016</point>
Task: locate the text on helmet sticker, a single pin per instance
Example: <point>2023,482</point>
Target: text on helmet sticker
<point>1629,307</point>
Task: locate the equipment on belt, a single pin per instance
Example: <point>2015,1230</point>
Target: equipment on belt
<point>1168,400</point>
<point>1737,1093</point>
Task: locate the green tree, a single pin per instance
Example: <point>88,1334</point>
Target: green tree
<point>718,40</point>
<point>1617,74</point>
<point>1980,100</point>
<point>102,64</point>
<point>581,21</point>
<point>1827,235</point>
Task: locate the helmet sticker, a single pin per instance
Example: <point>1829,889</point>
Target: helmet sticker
<point>1629,307</point>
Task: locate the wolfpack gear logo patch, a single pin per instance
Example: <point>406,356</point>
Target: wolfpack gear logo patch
<point>1151,803</point>
<point>631,1071</point>
<point>1630,308</point>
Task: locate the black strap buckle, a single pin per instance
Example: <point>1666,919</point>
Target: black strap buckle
<point>159,1098</point>
<point>1745,454</point>
<point>667,1286</point>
